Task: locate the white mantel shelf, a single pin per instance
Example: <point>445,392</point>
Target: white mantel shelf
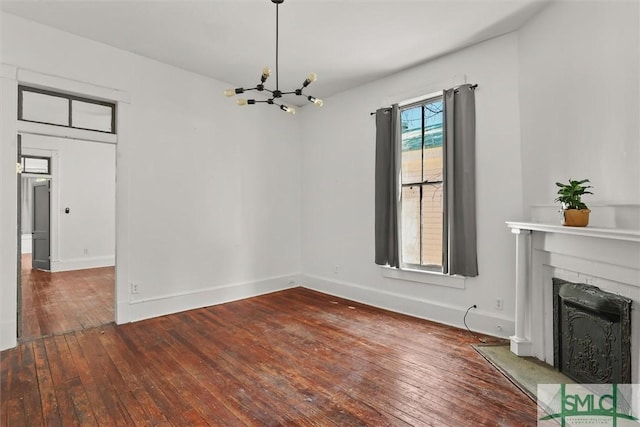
<point>603,233</point>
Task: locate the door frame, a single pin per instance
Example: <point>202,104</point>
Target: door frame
<point>56,160</point>
<point>54,178</point>
<point>10,77</point>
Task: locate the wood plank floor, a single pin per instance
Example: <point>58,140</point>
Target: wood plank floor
<point>295,357</point>
<point>53,303</point>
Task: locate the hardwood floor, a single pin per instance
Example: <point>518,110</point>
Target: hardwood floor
<point>295,357</point>
<point>53,303</point>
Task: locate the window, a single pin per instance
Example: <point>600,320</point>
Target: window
<point>422,174</point>
<point>38,165</point>
<point>43,106</point>
<point>434,226</point>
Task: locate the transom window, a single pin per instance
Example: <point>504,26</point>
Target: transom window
<point>37,165</point>
<point>422,217</point>
<point>59,109</point>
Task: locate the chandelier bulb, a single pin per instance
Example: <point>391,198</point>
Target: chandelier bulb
<point>241,102</point>
<point>310,79</point>
<point>316,101</point>
<point>266,72</point>
<point>289,110</point>
<point>231,92</point>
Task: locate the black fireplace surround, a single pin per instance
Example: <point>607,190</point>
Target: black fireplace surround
<point>592,334</point>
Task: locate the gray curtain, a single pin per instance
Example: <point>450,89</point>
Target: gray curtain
<point>460,182</point>
<point>387,186</point>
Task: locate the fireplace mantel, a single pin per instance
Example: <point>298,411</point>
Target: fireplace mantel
<point>602,233</point>
<point>605,257</point>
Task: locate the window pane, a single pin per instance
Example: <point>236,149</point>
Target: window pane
<point>38,107</point>
<point>423,168</point>
<point>432,158</point>
<point>411,145</point>
<point>432,224</point>
<point>91,116</point>
<point>411,225</point>
<point>35,165</point>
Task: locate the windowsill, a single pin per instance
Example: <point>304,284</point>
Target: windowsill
<point>422,276</point>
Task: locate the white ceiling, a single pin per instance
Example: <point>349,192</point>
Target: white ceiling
<point>346,42</point>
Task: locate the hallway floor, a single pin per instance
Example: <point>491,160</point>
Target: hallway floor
<point>54,303</point>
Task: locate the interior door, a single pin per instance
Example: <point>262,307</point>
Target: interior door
<point>41,231</point>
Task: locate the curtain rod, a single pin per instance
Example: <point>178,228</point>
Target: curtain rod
<point>456,88</point>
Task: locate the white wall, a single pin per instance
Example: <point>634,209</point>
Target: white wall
<point>84,182</point>
<point>579,95</point>
<point>338,190</point>
<point>26,244</point>
<point>208,193</point>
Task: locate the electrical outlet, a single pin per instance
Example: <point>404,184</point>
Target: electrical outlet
<point>86,251</point>
<point>336,270</point>
<point>135,288</point>
<point>499,303</point>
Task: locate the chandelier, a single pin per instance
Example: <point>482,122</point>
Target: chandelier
<point>277,93</point>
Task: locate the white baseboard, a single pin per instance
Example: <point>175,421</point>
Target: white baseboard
<point>8,335</point>
<point>478,320</point>
<point>169,304</point>
<point>83,263</point>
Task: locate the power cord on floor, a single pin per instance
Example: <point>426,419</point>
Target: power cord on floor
<point>464,320</point>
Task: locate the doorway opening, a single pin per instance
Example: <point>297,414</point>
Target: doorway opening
<point>67,242</point>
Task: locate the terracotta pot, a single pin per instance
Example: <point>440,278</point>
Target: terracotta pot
<point>576,217</point>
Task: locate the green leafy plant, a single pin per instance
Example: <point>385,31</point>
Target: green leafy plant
<point>570,195</point>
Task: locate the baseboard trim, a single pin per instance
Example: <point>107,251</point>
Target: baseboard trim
<point>479,321</point>
<point>82,263</point>
<point>175,303</point>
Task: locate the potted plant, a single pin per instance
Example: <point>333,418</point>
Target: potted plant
<point>575,212</point>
